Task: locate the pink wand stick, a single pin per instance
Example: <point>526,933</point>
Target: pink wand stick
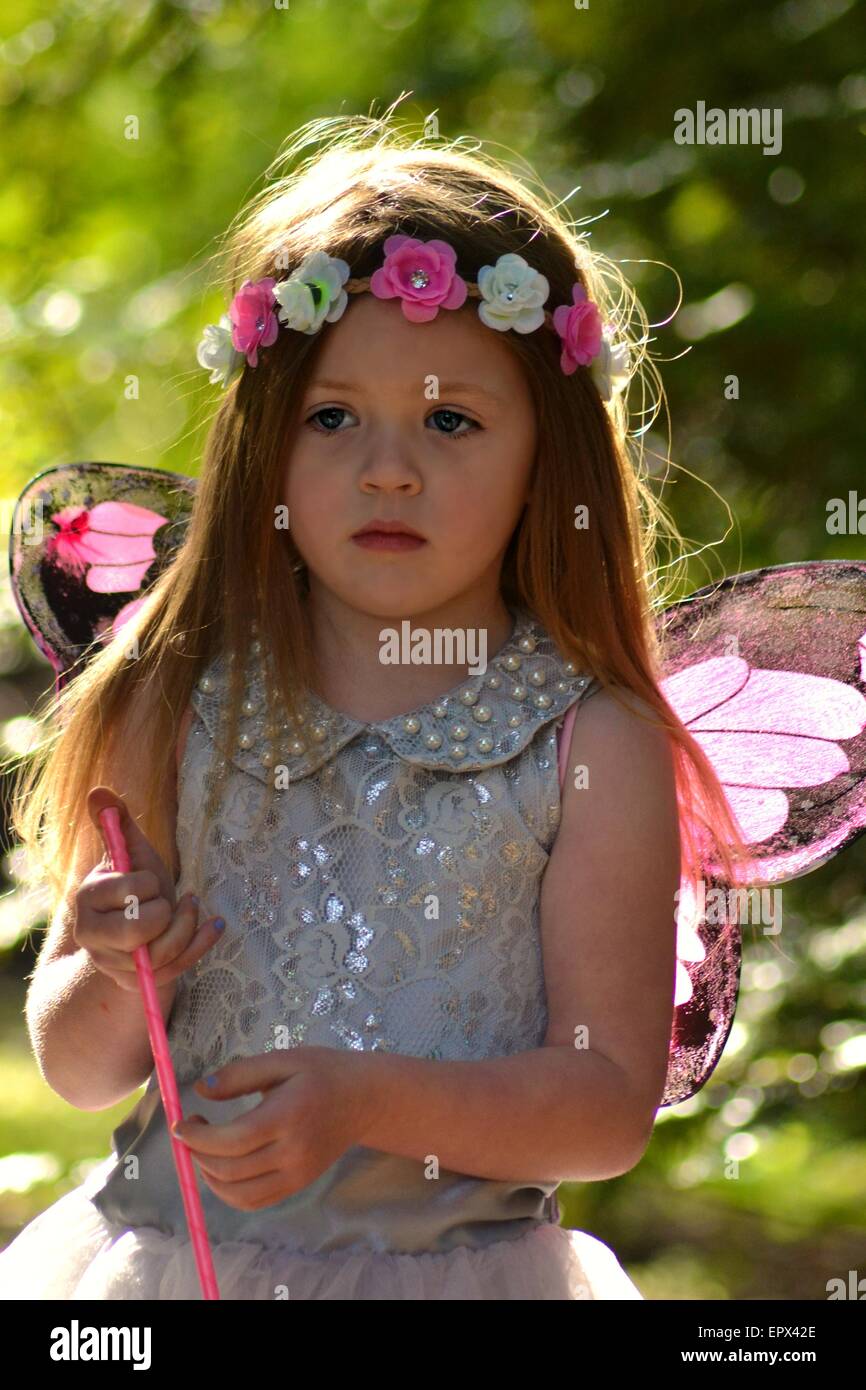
<point>110,819</point>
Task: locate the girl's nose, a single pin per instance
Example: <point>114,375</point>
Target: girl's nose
<point>389,468</point>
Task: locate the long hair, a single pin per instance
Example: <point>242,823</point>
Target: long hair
<point>593,589</point>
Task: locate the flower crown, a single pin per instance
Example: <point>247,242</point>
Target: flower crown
<point>422,274</point>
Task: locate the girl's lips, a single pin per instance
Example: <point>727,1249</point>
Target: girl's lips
<point>388,540</point>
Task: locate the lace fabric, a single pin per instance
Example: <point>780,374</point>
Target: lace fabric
<point>390,900</point>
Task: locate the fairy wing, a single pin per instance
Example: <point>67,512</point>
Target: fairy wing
<point>87,542</point>
<point>767,670</point>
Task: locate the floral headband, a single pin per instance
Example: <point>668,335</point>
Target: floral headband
<point>422,274</point>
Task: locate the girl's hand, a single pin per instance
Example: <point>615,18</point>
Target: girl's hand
<point>115,912</point>
<point>315,1106</point>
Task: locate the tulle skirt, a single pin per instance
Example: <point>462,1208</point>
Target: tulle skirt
<point>71,1251</point>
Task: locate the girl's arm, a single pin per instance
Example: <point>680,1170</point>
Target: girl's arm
<point>89,1036</point>
<point>582,1106</point>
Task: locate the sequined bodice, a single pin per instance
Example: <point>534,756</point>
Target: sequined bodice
<point>388,901</point>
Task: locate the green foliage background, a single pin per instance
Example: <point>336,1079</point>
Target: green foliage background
<point>755,1188</point>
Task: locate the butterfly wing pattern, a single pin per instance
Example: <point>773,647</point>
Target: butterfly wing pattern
<point>767,671</point>
<point>87,542</point>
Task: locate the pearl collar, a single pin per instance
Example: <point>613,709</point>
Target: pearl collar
<point>485,720</point>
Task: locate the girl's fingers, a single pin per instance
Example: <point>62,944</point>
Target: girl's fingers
<point>125,974</point>
<point>170,945</point>
<point>181,944</point>
<point>202,941</point>
<point>108,892</point>
<point>113,931</point>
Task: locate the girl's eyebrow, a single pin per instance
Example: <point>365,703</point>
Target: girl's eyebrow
<point>470,387</point>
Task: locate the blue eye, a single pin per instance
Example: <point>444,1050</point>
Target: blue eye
<point>340,410</point>
<point>457,415</point>
<point>327,410</point>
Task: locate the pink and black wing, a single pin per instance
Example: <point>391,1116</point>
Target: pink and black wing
<point>768,672</point>
<point>88,541</point>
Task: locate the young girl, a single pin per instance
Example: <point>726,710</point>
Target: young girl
<point>411,919</point>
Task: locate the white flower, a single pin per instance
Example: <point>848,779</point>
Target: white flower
<point>305,311</point>
<point>217,352</point>
<point>611,367</point>
<point>513,294</point>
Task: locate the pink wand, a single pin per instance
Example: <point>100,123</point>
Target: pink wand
<point>110,820</point>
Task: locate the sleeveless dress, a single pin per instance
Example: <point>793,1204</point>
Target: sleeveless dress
<point>388,901</point>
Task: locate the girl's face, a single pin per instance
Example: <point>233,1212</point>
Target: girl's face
<point>429,424</point>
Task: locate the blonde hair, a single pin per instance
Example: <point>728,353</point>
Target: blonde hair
<point>594,590</point>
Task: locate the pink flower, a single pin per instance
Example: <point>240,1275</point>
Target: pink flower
<point>579,327</point>
<point>254,322</point>
<point>423,274</point>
